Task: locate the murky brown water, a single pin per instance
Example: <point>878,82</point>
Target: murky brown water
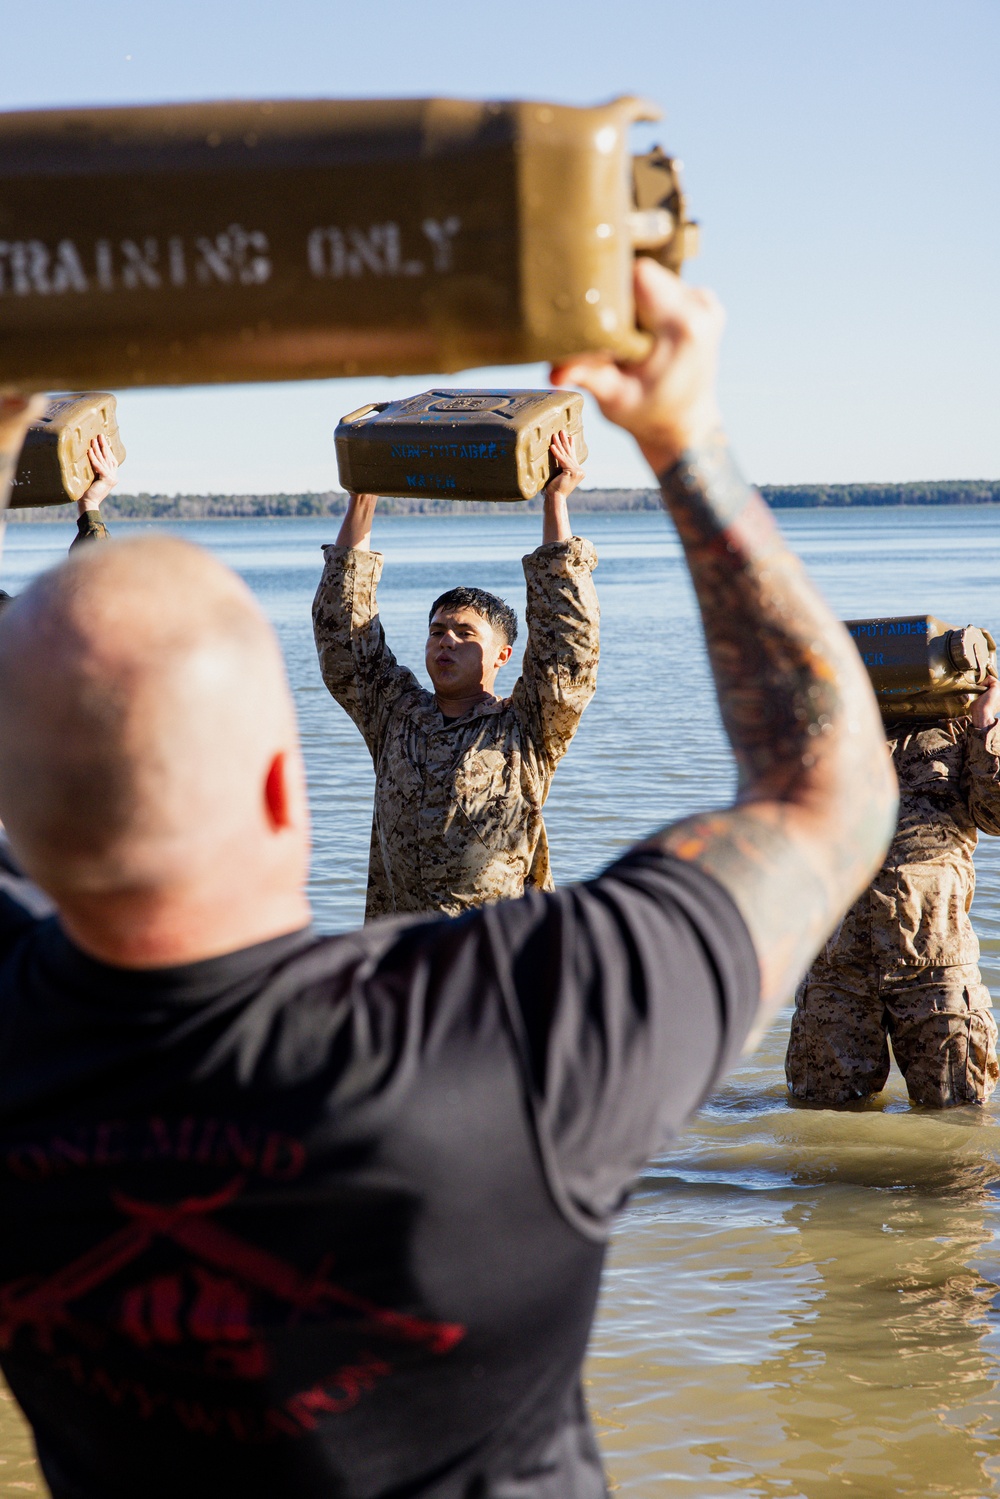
<point>799,1303</point>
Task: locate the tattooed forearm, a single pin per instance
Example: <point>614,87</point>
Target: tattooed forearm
<point>816,800</point>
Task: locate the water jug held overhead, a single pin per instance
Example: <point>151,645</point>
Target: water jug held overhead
<point>457,444</point>
<point>921,667</point>
<point>181,244</point>
<point>53,466</point>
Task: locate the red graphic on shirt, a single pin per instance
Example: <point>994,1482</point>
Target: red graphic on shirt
<point>207,1303</point>
<point>213,1311</point>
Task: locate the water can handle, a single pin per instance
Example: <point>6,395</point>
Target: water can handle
<point>355,416</point>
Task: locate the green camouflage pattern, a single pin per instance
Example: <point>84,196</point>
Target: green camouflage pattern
<point>89,527</point>
<point>458,802</point>
<point>902,962</point>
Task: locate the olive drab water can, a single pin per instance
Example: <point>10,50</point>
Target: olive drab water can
<point>54,466</point>
<point>458,444</point>
<point>179,244</point>
<point>922,668</point>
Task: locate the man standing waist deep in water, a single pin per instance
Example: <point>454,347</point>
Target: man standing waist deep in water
<point>460,774</point>
<point>903,965</point>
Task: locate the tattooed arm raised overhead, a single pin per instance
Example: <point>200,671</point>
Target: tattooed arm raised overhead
<point>816,801</point>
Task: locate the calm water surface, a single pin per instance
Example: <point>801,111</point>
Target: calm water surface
<point>799,1304</point>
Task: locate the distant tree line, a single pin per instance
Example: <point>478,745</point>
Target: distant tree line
<point>923,492</point>
<point>779,496</point>
<point>220,506</point>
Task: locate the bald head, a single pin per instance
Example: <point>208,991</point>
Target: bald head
<point>143,708</point>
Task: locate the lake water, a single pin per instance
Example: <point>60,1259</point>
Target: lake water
<point>799,1304</point>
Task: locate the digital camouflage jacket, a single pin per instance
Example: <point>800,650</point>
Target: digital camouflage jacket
<point>89,527</point>
<point>916,910</point>
<point>458,801</point>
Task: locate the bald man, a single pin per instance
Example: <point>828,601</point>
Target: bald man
<point>297,1216</point>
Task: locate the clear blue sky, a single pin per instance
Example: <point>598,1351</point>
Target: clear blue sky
<point>843,156</point>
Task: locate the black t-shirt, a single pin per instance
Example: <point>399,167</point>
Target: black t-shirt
<point>326,1216</point>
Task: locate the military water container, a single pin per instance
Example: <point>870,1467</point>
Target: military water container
<point>457,444</point>
<point>297,239</point>
<point>922,668</point>
<point>54,466</point>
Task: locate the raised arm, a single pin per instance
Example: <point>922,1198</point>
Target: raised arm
<point>816,802</point>
<point>555,511</point>
<point>356,527</point>
<point>90,525</point>
<point>981,775</point>
<point>559,670</point>
<point>357,665</point>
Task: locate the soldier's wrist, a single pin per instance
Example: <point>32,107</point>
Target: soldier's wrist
<point>705,488</point>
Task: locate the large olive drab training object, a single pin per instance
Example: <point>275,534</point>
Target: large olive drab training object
<point>922,668</point>
<point>458,444</point>
<point>180,244</point>
<point>54,466</point>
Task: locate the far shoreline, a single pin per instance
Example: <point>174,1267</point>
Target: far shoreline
<point>147,507</point>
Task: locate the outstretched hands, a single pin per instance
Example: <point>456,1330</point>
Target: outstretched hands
<point>105,465</point>
<point>667,401</point>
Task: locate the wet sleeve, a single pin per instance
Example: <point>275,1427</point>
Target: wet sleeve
<point>632,996</point>
<point>357,665</point>
<point>982,777</point>
<point>559,670</point>
<point>89,527</point>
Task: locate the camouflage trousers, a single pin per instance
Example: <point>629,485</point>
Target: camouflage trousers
<point>939,1021</point>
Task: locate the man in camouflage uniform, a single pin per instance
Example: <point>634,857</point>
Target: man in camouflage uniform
<point>904,961</point>
<point>460,774</point>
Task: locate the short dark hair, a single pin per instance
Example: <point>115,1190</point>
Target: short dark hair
<point>500,615</point>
